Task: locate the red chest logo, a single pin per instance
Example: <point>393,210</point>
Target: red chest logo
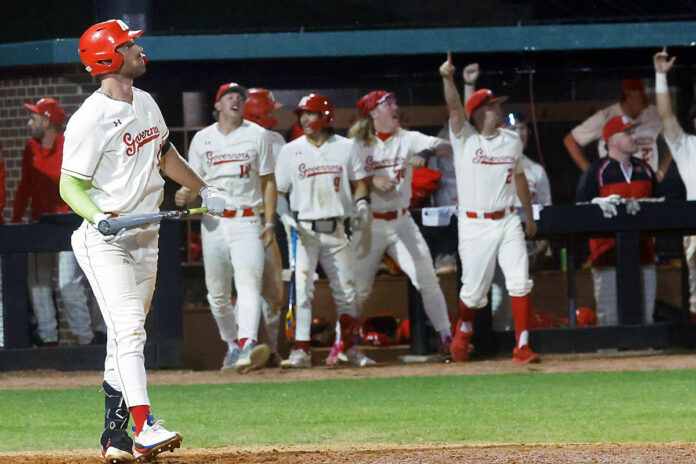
<point>134,144</point>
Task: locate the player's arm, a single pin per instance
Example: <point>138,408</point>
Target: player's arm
<point>522,188</point>
<point>73,191</point>
<point>176,168</point>
<point>457,115</point>
<point>359,188</point>
<point>575,151</point>
<point>670,126</point>
<point>270,197</point>
<point>663,165</point>
<point>470,74</point>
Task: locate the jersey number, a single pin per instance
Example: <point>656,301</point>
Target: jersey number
<point>244,170</point>
<point>337,183</point>
<point>508,179</point>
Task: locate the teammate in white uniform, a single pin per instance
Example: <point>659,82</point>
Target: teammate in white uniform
<point>634,105</point>
<point>115,145</point>
<point>319,170</point>
<point>388,154</point>
<point>683,148</point>
<point>235,156</point>
<point>488,163</point>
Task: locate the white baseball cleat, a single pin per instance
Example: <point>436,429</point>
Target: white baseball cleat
<point>113,455</point>
<point>297,359</point>
<point>354,356</point>
<point>231,358</point>
<point>252,357</point>
<point>154,439</point>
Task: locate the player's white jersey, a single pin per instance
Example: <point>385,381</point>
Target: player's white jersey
<point>538,182</point>
<point>117,146</point>
<point>389,158</point>
<point>646,133</point>
<point>234,162</point>
<point>485,168</point>
<point>277,142</point>
<point>684,154</point>
<point>318,178</point>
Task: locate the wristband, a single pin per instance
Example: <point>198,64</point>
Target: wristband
<point>366,198</point>
<point>661,83</point>
<point>269,224</point>
<point>470,83</point>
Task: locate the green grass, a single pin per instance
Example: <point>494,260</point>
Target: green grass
<point>655,406</point>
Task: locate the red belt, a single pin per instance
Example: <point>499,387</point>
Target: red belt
<point>389,215</point>
<point>492,215</point>
<point>230,213</point>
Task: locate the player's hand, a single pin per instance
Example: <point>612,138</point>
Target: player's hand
<point>362,215</point>
<point>384,183</point>
<point>97,218</point>
<point>288,221</point>
<point>662,62</point>
<point>417,161</point>
<point>471,73</point>
<point>183,196</point>
<point>632,206</point>
<point>447,68</point>
<point>608,204</point>
<point>267,235</point>
<point>530,228</point>
<point>213,200</point>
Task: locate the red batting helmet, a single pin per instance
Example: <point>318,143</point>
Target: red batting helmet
<point>380,329</point>
<point>259,108</point>
<point>97,47</point>
<point>319,104</point>
<point>585,317</point>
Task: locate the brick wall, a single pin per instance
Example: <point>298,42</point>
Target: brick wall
<point>69,84</point>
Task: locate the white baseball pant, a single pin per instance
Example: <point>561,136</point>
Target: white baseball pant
<point>232,249</point>
<point>122,274</point>
<point>605,294</point>
<point>690,252</point>
<point>481,241</point>
<point>272,294</point>
<point>401,239</point>
<point>332,250</point>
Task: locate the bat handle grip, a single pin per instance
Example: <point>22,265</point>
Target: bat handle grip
<point>104,227</point>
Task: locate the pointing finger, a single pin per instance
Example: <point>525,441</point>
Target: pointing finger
<point>449,57</point>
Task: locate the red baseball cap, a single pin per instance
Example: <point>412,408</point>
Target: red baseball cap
<point>482,97</point>
<point>632,85</point>
<point>617,124</point>
<point>51,109</point>
<point>231,87</point>
<point>371,100</point>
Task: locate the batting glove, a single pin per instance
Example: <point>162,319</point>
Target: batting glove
<point>97,218</point>
<point>362,215</point>
<point>608,204</point>
<point>213,200</point>
<point>632,206</point>
<point>288,221</point>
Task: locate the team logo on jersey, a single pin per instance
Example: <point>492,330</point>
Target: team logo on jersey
<point>134,144</point>
<point>319,170</point>
<point>372,165</point>
<point>481,158</point>
<point>222,158</point>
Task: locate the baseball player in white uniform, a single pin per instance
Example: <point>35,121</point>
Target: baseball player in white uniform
<point>388,154</point>
<point>683,148</point>
<point>490,174</point>
<point>115,145</point>
<point>236,157</point>
<point>634,105</point>
<point>319,170</point>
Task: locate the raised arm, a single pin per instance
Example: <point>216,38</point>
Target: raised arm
<point>470,74</point>
<point>670,126</point>
<point>457,115</point>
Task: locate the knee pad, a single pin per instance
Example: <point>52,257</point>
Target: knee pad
<point>116,411</point>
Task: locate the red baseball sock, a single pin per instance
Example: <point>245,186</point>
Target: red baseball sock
<point>242,342</point>
<point>521,307</point>
<point>139,414</point>
<point>304,346</point>
<point>466,318</point>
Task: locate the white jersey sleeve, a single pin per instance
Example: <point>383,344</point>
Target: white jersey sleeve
<point>84,146</point>
<point>356,168</point>
<point>543,189</point>
<point>418,141</point>
<point>684,155</point>
<point>277,142</point>
<point>266,156</point>
<point>283,171</point>
<point>591,129</point>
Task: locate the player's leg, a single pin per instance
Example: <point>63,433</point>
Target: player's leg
<point>368,247</point>
<point>74,298</point>
<point>411,253</point>
<point>272,294</point>
<point>117,445</point>
<point>336,258</point>
<point>478,242</point>
<point>690,252</point>
<point>604,279</point>
<point>500,303</point>
<point>218,281</point>
<point>306,260</point>
<point>514,262</point>
<point>40,269</point>
<point>649,274</point>
<point>247,255</point>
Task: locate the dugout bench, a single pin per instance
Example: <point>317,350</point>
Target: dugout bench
<point>52,234</point>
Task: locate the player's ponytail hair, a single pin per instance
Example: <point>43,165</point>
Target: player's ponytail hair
<point>363,130</point>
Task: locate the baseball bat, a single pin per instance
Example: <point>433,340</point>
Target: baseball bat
<point>113,225</point>
<point>292,299</point>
